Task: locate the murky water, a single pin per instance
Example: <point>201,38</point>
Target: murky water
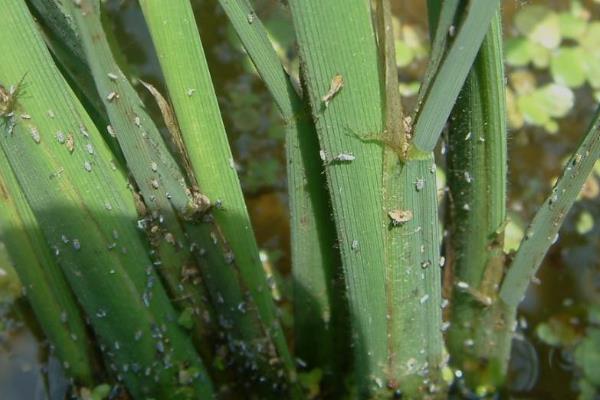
<point>570,274</point>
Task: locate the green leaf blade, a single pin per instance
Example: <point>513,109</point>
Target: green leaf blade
<point>449,78</point>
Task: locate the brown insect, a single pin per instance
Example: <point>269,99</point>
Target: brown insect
<point>399,217</point>
<point>8,98</point>
<point>337,83</point>
<point>70,143</point>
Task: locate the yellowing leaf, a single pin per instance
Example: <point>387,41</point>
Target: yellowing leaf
<point>568,66</point>
<point>587,355</point>
<point>558,100</point>
<point>518,51</point>
<point>539,24</point>
<point>523,82</point>
<point>585,223</point>
<point>591,40</point>
<point>404,54</point>
<point>571,26</point>
<point>544,104</point>
<point>515,118</point>
<point>513,234</point>
<point>556,333</point>
<point>592,71</point>
<point>409,89</point>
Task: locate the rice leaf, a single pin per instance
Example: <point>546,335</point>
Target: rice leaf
<point>449,77</point>
<point>340,69</point>
<point>179,48</point>
<point>543,229</point>
<point>45,286</point>
<point>84,209</point>
<point>316,299</point>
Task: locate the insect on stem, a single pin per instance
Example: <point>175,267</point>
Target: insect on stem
<point>8,98</point>
<point>337,83</point>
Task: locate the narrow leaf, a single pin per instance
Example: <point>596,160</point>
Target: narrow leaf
<point>543,229</point>
<point>312,235</point>
<point>332,49</point>
<point>451,74</point>
<point>161,183</point>
<point>477,173</point>
<point>83,211</point>
<point>45,286</point>
<point>179,48</point>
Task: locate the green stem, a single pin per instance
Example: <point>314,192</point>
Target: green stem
<point>412,246</point>
<point>340,68</point>
<point>316,299</point>
<point>414,294</point>
<point>477,171</point>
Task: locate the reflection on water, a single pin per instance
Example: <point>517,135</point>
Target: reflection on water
<point>524,365</point>
<point>20,368</point>
<point>569,275</point>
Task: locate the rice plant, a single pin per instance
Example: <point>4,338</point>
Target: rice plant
<point>136,248</point>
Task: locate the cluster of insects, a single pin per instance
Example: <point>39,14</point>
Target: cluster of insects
<point>8,102</point>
